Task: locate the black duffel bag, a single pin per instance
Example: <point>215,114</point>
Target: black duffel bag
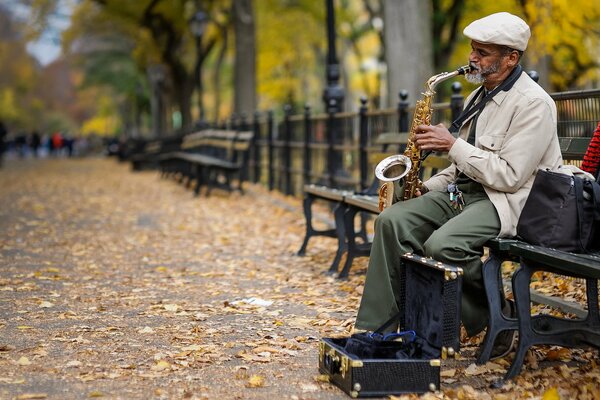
<point>562,212</point>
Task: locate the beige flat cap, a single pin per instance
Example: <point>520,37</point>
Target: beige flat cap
<point>500,28</point>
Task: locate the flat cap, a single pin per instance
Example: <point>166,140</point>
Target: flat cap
<point>500,28</point>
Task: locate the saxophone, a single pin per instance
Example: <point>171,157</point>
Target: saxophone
<point>408,165</point>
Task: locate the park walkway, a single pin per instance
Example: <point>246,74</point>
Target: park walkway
<point>122,285</point>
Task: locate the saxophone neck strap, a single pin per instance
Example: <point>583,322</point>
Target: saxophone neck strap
<point>472,109</point>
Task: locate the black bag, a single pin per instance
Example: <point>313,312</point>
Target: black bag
<point>562,212</point>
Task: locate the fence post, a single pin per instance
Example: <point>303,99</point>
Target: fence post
<point>456,100</point>
<point>307,155</point>
<point>331,128</point>
<point>243,126</point>
<point>403,111</point>
<point>287,159</point>
<point>363,159</point>
<point>256,146</point>
<point>270,133</point>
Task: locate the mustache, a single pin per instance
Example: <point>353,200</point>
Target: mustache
<point>473,67</point>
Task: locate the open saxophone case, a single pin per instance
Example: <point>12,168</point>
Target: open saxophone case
<point>409,361</point>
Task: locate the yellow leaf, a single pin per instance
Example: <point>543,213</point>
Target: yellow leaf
<point>551,394</point>
<point>256,381</point>
<point>30,396</point>
<point>161,366</point>
<point>171,307</point>
<point>96,393</point>
<point>24,361</point>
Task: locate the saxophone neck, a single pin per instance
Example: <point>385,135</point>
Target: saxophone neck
<point>436,79</point>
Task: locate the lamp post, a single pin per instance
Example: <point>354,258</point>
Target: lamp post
<point>198,24</point>
<point>333,95</point>
<point>157,76</point>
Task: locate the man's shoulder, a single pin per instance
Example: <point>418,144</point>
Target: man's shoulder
<point>529,89</point>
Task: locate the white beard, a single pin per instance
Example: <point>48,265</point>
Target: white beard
<point>479,76</point>
<point>476,79</point>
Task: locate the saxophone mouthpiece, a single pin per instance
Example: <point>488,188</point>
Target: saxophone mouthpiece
<point>464,70</point>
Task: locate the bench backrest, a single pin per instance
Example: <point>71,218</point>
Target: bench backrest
<point>228,145</point>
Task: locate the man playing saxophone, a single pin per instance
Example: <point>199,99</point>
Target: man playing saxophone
<point>481,194</point>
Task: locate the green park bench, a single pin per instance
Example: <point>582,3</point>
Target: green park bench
<point>211,157</point>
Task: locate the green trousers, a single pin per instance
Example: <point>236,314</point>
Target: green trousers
<point>430,226</point>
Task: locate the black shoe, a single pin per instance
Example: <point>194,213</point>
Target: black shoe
<point>504,344</point>
<point>506,340</point>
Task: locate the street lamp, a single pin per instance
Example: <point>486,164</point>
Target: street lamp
<point>198,24</point>
<point>158,76</point>
<point>333,95</point>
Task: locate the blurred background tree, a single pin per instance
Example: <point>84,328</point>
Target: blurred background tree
<point>188,62</point>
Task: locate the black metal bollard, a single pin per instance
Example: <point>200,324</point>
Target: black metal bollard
<point>307,137</point>
<point>287,154</point>
<point>363,159</point>
<point>456,100</point>
<point>270,139</point>
<point>331,133</point>
<point>256,147</point>
<point>403,111</point>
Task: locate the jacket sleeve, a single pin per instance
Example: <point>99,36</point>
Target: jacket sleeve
<point>506,160</point>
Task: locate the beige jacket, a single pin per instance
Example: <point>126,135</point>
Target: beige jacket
<point>515,136</point>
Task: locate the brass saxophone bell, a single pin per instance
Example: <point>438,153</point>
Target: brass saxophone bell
<point>393,168</point>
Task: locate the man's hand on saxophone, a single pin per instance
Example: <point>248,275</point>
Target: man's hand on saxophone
<point>434,137</point>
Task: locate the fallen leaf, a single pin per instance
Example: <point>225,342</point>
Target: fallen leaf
<point>161,366</point>
<point>551,394</point>
<point>256,381</point>
<point>24,361</point>
<point>46,304</point>
<point>171,307</point>
<point>448,373</point>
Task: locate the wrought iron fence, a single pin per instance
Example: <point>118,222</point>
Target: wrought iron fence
<point>334,149</point>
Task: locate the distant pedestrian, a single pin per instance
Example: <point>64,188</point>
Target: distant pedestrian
<point>57,143</point>
<point>34,142</point>
<point>3,133</point>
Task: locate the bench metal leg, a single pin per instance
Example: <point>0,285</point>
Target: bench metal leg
<point>198,172</point>
<point>543,329</point>
<point>354,249</point>
<point>498,322</point>
<point>310,230</point>
<point>339,212</point>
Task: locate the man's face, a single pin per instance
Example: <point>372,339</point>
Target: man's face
<point>489,62</point>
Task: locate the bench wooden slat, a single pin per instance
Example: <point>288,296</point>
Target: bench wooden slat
<point>367,203</point>
<point>578,265</point>
<point>327,192</point>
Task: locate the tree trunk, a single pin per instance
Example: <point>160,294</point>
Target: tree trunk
<point>245,58</point>
<point>407,32</point>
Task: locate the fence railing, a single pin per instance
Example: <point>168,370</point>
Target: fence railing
<point>333,149</point>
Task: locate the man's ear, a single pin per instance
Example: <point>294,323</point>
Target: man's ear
<point>513,58</point>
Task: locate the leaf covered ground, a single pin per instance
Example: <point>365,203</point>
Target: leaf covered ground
<point>122,285</point>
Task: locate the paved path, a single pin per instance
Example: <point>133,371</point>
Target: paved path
<point>123,285</point>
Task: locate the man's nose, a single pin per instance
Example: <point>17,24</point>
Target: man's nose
<point>474,56</point>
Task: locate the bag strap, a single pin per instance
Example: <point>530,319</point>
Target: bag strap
<point>471,109</point>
